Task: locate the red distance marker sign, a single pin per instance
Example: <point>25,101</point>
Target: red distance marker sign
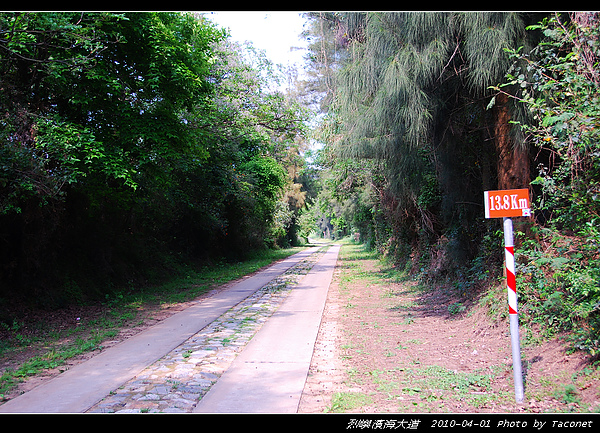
<point>507,203</point>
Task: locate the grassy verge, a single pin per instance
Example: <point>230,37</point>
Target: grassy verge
<point>394,362</point>
<point>40,345</point>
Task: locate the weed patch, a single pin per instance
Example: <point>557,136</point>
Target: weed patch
<point>348,401</point>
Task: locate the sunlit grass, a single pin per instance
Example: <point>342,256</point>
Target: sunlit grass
<point>348,401</point>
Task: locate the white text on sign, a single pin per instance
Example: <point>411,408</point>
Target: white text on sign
<point>507,203</point>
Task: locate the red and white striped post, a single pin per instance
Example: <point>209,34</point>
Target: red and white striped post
<point>511,287</point>
<point>506,204</point>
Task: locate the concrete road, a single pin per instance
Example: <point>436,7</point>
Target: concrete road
<point>79,388</point>
<point>269,375</point>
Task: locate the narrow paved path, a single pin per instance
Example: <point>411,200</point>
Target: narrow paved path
<point>172,366</point>
<point>269,375</point>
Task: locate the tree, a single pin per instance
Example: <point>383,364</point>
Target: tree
<point>130,139</point>
<point>251,128</point>
<point>557,84</point>
<point>412,93</point>
<point>104,144</point>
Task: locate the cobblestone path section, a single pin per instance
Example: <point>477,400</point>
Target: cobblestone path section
<point>176,382</point>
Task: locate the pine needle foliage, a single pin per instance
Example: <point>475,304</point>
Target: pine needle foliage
<point>412,93</point>
<point>486,36</point>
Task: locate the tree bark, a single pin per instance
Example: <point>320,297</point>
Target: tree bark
<point>513,158</point>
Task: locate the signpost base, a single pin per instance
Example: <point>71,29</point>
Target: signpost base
<point>516,357</point>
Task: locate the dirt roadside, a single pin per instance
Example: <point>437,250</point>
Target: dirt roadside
<point>384,346</point>
<point>389,347</point>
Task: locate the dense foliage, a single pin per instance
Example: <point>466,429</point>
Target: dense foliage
<point>422,112</point>
<point>131,143</point>
<point>408,134</point>
<point>559,268</point>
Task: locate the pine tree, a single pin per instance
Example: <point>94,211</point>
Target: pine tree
<point>413,93</point>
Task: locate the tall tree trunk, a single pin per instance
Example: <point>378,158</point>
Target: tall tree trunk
<point>513,158</point>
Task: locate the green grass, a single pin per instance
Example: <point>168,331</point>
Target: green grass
<point>348,401</point>
<point>426,388</point>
